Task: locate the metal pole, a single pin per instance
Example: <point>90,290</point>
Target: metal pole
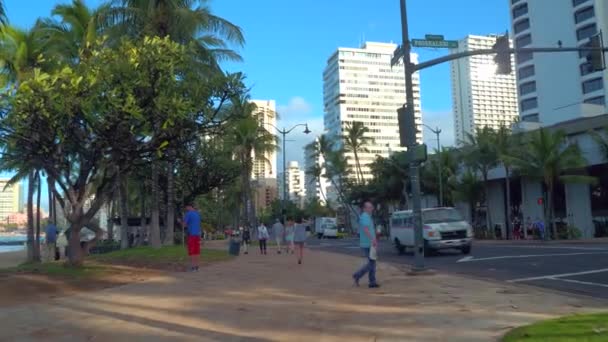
<point>284,203</point>
<point>414,172</point>
<point>439,162</point>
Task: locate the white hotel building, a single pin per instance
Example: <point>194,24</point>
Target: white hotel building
<point>481,98</point>
<point>555,87</point>
<point>359,84</point>
<point>266,167</point>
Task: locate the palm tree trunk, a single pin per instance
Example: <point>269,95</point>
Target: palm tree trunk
<point>508,191</point>
<point>359,172</point>
<point>30,218</point>
<point>50,185</point>
<point>38,218</point>
<point>550,224</point>
<point>170,218</point>
<point>138,239</point>
<point>154,236</point>
<point>486,190</point>
<point>124,211</point>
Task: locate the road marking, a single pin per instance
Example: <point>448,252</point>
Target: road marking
<point>555,276</point>
<point>551,247</point>
<point>467,259</point>
<point>580,282</point>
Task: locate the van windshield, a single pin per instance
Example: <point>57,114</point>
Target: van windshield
<point>441,215</point>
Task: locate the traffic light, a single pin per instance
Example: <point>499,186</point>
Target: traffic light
<point>407,126</point>
<point>595,58</point>
<point>503,55</point>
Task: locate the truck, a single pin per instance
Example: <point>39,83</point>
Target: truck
<point>326,227</point>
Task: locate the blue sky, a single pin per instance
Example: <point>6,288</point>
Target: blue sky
<point>288,43</point>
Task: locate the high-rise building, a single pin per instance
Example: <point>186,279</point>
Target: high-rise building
<point>9,199</point>
<point>556,87</point>
<point>481,98</point>
<point>266,167</point>
<point>264,192</point>
<point>296,188</point>
<point>316,188</point>
<point>359,84</point>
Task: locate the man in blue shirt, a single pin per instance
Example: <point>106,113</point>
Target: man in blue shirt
<point>367,240</point>
<point>50,241</point>
<point>192,221</point>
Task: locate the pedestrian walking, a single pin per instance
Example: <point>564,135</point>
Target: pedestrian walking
<point>540,227</point>
<point>299,238</point>
<point>279,234</point>
<point>262,237</point>
<point>50,241</point>
<point>368,243</point>
<point>245,239</point>
<point>289,232</point>
<point>192,221</point>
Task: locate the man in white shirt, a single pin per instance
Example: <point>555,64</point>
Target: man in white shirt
<point>262,237</point>
<point>279,234</point>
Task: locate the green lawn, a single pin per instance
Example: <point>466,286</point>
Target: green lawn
<point>578,328</point>
<point>166,258</point>
<point>168,254</point>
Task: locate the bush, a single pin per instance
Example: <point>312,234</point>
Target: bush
<point>569,233</point>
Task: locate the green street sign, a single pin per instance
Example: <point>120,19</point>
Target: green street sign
<point>445,44</point>
<point>416,154</point>
<point>434,37</point>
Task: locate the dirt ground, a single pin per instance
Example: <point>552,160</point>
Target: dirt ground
<point>271,298</point>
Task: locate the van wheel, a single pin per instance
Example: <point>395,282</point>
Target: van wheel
<point>428,251</point>
<point>466,249</point>
<point>400,247</point>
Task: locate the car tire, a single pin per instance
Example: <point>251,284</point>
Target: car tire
<point>428,251</point>
<point>466,250</point>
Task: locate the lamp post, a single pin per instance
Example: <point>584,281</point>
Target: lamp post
<point>437,131</point>
<point>284,132</point>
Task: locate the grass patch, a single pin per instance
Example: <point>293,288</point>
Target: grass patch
<point>58,269</point>
<point>577,328</point>
<point>162,256</point>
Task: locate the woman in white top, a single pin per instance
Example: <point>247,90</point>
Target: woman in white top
<point>262,237</point>
<point>299,237</point>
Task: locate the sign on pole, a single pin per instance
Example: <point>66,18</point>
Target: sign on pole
<point>444,44</point>
<point>434,37</point>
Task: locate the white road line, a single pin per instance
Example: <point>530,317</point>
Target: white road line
<point>528,256</point>
<point>552,247</point>
<point>561,275</point>
<point>580,282</point>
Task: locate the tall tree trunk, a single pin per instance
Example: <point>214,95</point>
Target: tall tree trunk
<point>111,207</point>
<point>38,216</point>
<point>154,237</point>
<point>75,254</point>
<point>142,217</point>
<point>508,191</point>
<point>358,172</point>
<point>50,185</point>
<point>486,191</point>
<point>170,218</point>
<point>30,218</point>
<point>124,211</point>
<point>550,222</point>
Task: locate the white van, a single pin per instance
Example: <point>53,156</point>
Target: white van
<point>325,227</point>
<point>443,228</point>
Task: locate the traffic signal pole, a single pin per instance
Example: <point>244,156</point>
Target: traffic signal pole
<point>414,165</point>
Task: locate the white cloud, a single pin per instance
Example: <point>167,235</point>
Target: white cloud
<point>297,106</point>
<point>443,120</point>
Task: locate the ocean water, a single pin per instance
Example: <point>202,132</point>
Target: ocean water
<point>20,239</point>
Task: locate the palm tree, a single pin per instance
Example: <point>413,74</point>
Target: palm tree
<point>504,144</point>
<point>185,21</point>
<point>468,189</point>
<point>355,142</point>
<point>549,158</point>
<point>481,156</point>
<point>20,55</point>
<point>601,139</point>
<point>247,139</point>
<point>71,37</point>
<point>3,18</point>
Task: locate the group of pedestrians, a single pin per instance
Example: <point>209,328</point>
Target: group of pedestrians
<point>289,238</point>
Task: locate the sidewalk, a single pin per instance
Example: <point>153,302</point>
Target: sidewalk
<point>271,298</point>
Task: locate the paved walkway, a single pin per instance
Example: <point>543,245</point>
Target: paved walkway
<point>271,298</point>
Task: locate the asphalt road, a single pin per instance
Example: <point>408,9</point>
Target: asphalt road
<point>579,269</point>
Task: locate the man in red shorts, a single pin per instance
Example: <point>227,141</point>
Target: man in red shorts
<point>192,221</point>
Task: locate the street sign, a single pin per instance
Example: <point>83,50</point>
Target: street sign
<point>434,37</point>
<point>417,154</point>
<point>445,44</point>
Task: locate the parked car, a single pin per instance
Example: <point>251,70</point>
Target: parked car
<point>443,228</point>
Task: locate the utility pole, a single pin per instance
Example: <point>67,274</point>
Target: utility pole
<point>437,131</point>
<point>414,165</point>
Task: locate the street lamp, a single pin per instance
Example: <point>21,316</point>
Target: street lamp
<point>284,132</point>
<point>437,131</point>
